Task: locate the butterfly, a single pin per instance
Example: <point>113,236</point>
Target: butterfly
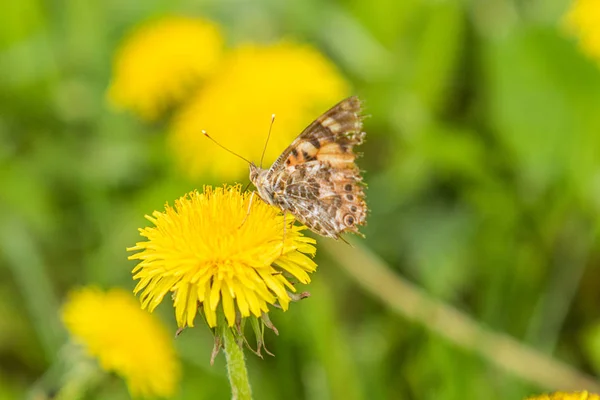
<point>316,178</point>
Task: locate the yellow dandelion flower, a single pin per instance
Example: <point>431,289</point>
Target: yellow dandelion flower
<point>566,396</point>
<point>293,81</point>
<point>583,22</point>
<point>204,252</point>
<point>161,62</point>
<point>124,339</point>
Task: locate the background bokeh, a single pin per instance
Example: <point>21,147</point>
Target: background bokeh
<point>483,165</point>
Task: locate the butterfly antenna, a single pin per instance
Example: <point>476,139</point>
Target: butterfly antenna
<point>267,142</point>
<point>225,148</point>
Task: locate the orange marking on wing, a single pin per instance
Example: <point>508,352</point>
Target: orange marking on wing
<point>337,160</point>
<point>330,148</point>
<point>335,156</point>
<point>294,160</point>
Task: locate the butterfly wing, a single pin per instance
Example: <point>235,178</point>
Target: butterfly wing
<point>330,137</point>
<point>321,184</point>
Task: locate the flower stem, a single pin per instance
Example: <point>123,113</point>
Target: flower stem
<point>236,366</point>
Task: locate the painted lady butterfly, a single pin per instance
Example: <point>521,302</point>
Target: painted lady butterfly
<point>316,178</point>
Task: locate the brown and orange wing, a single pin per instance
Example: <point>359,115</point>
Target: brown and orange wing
<point>322,157</point>
<point>329,138</point>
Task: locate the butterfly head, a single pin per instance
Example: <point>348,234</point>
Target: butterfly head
<point>258,177</point>
<point>254,172</point>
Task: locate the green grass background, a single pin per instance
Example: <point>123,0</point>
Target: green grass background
<point>483,165</point>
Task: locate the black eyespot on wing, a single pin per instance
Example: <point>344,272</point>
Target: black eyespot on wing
<point>348,187</point>
<point>353,209</point>
<point>350,197</point>
<point>349,220</point>
<point>294,152</point>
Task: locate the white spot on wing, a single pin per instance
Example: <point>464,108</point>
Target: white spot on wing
<point>332,124</point>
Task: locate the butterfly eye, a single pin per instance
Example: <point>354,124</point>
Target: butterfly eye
<point>349,220</point>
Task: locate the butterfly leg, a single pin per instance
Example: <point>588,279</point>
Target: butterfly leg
<point>248,211</point>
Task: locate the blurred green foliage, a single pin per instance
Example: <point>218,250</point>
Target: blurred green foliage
<point>482,162</point>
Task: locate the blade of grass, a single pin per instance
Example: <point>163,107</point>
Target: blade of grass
<point>24,261</point>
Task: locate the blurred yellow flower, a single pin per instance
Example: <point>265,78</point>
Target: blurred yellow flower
<point>566,396</point>
<point>204,252</point>
<point>295,82</point>
<point>124,339</point>
<point>161,62</point>
<point>583,22</point>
